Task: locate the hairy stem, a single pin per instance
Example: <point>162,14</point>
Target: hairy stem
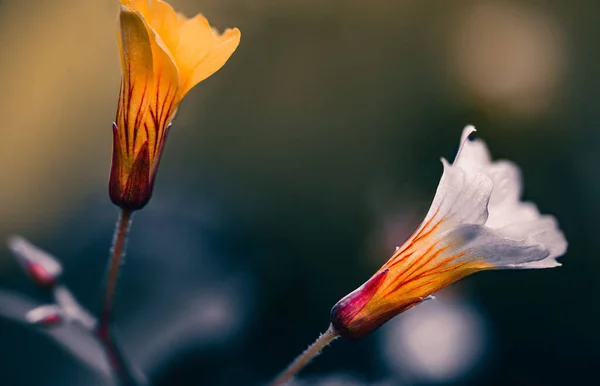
<point>105,334</point>
<point>303,359</point>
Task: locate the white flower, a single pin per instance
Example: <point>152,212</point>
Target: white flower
<point>480,202</point>
<point>476,222</point>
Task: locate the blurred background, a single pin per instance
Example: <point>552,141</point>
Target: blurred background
<point>289,178</point>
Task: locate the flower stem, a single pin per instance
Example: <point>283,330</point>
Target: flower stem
<point>105,334</point>
<point>303,359</point>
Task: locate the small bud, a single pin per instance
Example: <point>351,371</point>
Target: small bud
<point>39,265</point>
<point>45,316</point>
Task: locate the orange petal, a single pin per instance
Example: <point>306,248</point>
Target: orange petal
<point>150,86</point>
<point>214,59</point>
<point>195,40</point>
<point>141,6</point>
<point>164,21</point>
<point>164,96</point>
<point>138,76</point>
<point>201,52</point>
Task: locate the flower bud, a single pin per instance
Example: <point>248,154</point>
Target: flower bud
<point>45,316</point>
<point>163,55</point>
<point>39,265</point>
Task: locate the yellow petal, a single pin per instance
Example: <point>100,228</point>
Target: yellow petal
<point>142,6</point>
<point>138,78</point>
<point>164,97</point>
<point>182,19</point>
<point>161,18</point>
<point>201,52</point>
<point>186,50</point>
<point>214,59</point>
<point>150,82</point>
<point>164,21</point>
<point>195,40</point>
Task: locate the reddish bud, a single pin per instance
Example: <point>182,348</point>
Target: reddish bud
<point>40,275</point>
<point>45,316</point>
<point>39,265</point>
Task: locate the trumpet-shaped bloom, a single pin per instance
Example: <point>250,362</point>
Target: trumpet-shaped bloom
<point>476,222</point>
<point>163,55</point>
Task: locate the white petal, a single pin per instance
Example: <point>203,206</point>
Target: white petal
<point>543,231</point>
<point>478,201</point>
<point>464,141</point>
<point>463,193</point>
<point>449,187</point>
<point>470,205</point>
<point>482,242</point>
<point>511,218</point>
<point>472,155</point>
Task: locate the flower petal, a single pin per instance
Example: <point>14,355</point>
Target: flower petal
<point>160,16</point>
<point>196,48</point>
<point>471,154</point>
<point>164,97</point>
<point>164,21</point>
<point>543,232</point>
<point>138,75</point>
<point>461,197</point>
<point>475,190</point>
<point>150,75</point>
<point>481,242</point>
<point>215,59</point>
<point>509,217</point>
<point>202,52</point>
<point>139,5</point>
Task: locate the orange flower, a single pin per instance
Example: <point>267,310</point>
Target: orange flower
<point>476,222</point>
<point>163,55</point>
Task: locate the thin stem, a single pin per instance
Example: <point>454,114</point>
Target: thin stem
<point>112,276</point>
<point>105,334</point>
<point>303,359</point>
